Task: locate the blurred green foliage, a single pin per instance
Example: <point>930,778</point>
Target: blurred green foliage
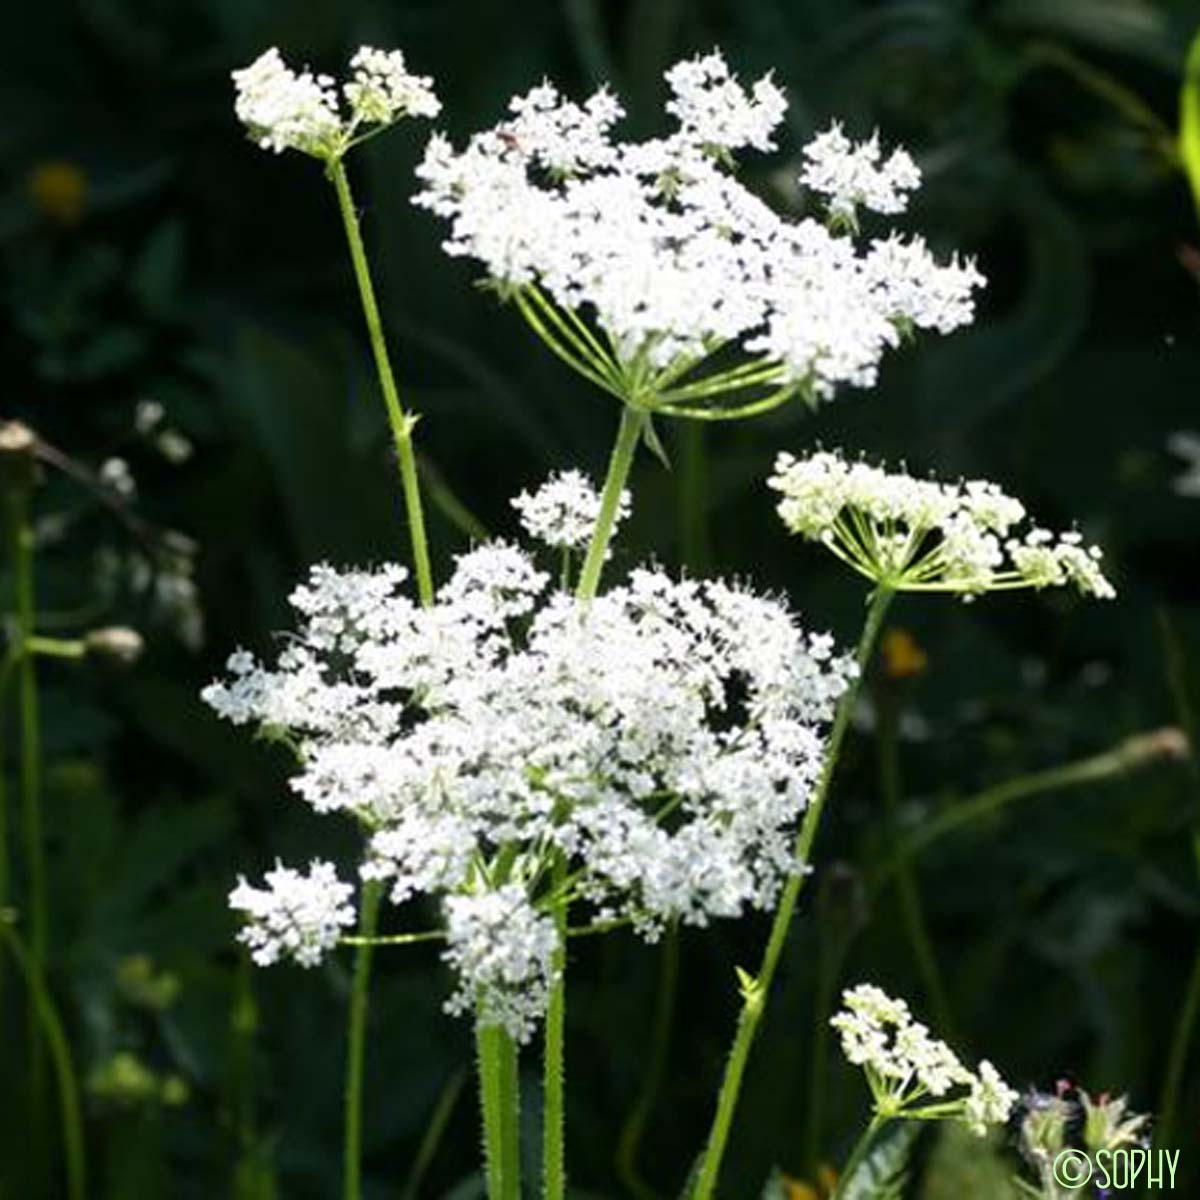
<point>149,252</point>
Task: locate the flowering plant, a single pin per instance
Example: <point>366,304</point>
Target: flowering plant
<point>523,745</point>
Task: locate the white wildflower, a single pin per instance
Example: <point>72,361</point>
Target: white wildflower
<point>382,89</point>
<point>115,474</point>
<point>502,951</point>
<point>991,1100</point>
<point>918,535</point>
<point>904,1064</point>
<point>283,109</point>
<point>659,244</point>
<point>562,513</point>
<point>287,110</point>
<point>295,916</point>
<point>853,175</point>
<point>663,738</point>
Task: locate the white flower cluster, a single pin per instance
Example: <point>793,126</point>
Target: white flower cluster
<point>287,110</point>
<point>671,255</point>
<point>662,738</point>
<point>562,513</point>
<point>502,950</point>
<point>920,535</point>
<point>295,916</point>
<point>850,175</point>
<point>904,1064</point>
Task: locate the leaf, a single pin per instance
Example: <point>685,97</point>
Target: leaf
<point>1189,119</point>
<point>654,444</point>
<point>883,1174</point>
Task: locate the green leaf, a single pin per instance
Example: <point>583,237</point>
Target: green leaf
<point>1189,120</point>
<point>883,1174</point>
<point>654,444</point>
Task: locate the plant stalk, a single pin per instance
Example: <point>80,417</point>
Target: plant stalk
<point>554,1170</point>
<point>400,422</point>
<point>500,1103</point>
<point>857,1155</point>
<point>755,991</point>
<point>368,920</point>
<point>74,1155</point>
<point>633,422</point>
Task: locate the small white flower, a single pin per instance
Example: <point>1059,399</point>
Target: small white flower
<point>918,535</point>
<point>663,738</point>
<point>284,109</point>
<point>295,916</point>
<point>660,245</point>
<point>991,1100</point>
<point>382,89</point>
<point>115,474</point>
<point>852,174</point>
<point>562,513</point>
<point>905,1064</point>
<point>502,951</point>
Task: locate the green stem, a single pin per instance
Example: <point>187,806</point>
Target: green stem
<point>60,1054</point>
<point>368,920</point>
<point>857,1155</point>
<point>22,550</point>
<point>434,1133</point>
<point>500,1104</point>
<point>754,995</point>
<point>7,665</point>
<point>634,1129</point>
<point>633,421</point>
<point>554,1171</point>
<point>911,909</point>
<point>401,423</point>
<point>1134,752</point>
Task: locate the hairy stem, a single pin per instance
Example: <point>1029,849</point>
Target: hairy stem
<point>400,422</point>
<point>633,421</point>
<point>755,991</point>
<point>554,1170</point>
<point>499,1101</point>
<point>368,920</point>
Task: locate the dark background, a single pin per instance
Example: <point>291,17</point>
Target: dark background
<point>164,257</point>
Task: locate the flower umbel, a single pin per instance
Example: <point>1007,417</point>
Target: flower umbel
<point>295,916</point>
<point>562,513</point>
<point>919,535</point>
<point>905,1066</point>
<point>660,246</point>
<point>661,739</point>
<point>284,109</point>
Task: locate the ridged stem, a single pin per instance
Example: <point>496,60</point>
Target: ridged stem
<point>756,989</point>
<point>400,422</point>
<point>356,1048</point>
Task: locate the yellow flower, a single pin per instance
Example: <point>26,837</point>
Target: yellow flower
<point>821,1189</point>
<point>903,658</point>
<point>58,191</point>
